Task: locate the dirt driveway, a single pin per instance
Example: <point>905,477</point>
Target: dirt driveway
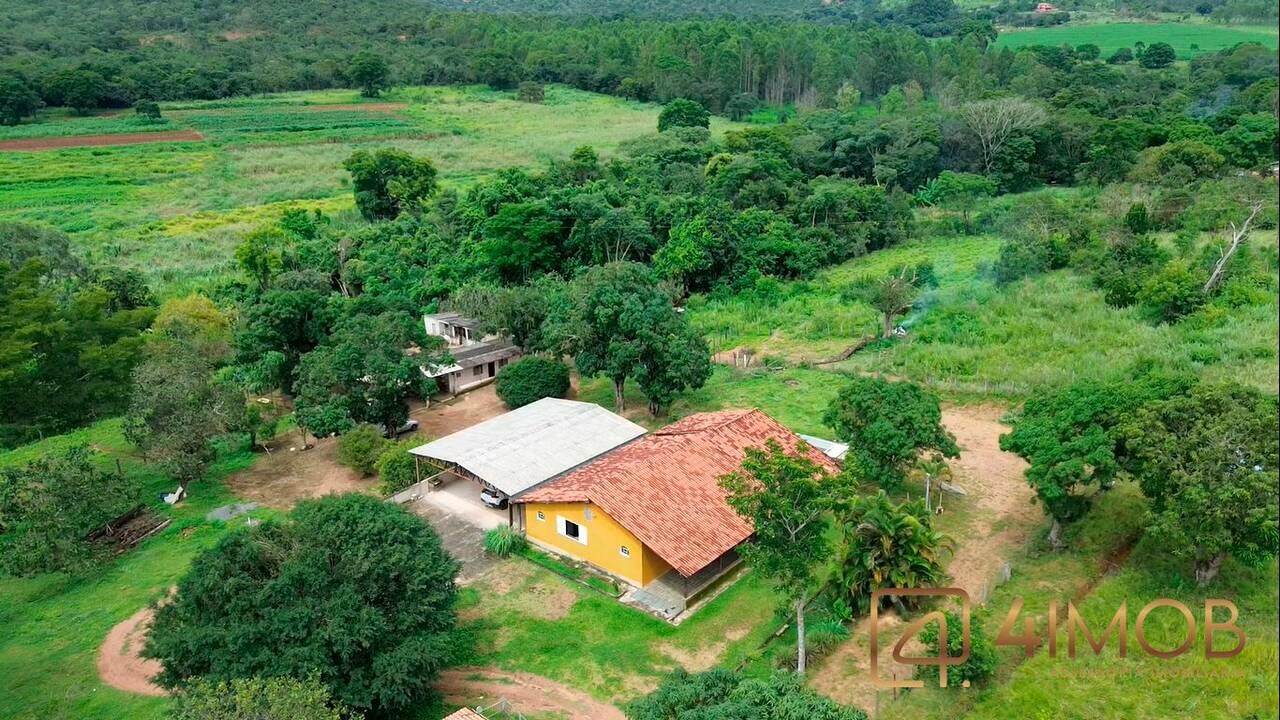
<point>283,477</point>
<point>448,417</point>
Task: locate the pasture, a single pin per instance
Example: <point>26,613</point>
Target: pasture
<point>970,340</point>
<point>1188,39</point>
<point>176,209</point>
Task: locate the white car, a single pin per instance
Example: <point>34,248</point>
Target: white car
<point>493,499</point>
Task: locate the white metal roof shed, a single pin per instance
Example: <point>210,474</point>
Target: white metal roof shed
<point>529,445</point>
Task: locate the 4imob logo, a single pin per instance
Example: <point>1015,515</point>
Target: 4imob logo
<point>1117,627</point>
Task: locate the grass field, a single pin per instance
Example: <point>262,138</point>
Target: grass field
<point>972,341</point>
<point>53,624</point>
<point>175,209</point>
<point>1187,38</point>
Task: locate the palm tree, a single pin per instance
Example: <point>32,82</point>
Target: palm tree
<point>888,545</point>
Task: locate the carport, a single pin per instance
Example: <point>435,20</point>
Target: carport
<point>522,449</point>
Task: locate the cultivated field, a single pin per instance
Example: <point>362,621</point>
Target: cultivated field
<point>175,209</point>
<point>1187,38</point>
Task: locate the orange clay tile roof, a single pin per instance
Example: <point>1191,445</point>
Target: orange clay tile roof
<point>665,487</point>
<point>465,714</point>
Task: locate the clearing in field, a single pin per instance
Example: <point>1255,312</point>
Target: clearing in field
<point>1187,38</point>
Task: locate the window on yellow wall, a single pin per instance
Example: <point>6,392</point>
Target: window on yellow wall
<point>624,551</point>
<point>571,530</point>
<point>542,515</point>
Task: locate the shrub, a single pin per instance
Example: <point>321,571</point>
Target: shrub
<point>360,447</point>
<point>531,379</point>
<point>1030,256</point>
<point>395,467</point>
<point>503,541</point>
<point>276,698</point>
<point>1173,293</point>
<point>683,113</point>
<point>530,92</point>
<point>982,653</point>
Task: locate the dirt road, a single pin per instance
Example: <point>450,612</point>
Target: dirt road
<point>120,661</point>
<point>72,141</point>
<point>523,693</point>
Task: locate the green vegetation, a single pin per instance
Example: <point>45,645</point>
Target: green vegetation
<point>343,571</point>
<point>1189,39</point>
<point>278,698</point>
<point>503,541</point>
<point>532,378</point>
<point>720,693</point>
<point>176,210</point>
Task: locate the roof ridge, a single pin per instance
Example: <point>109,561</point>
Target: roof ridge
<point>731,416</point>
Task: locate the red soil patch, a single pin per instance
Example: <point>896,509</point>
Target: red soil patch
<point>54,143</point>
<point>523,693</point>
<point>120,661</point>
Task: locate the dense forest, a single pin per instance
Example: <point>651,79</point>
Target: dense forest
<point>125,50</point>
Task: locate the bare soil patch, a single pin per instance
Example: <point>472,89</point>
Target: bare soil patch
<point>56,143</point>
<point>120,661</point>
<point>524,693</point>
<point>448,417</point>
<point>283,477</point>
<point>703,658</point>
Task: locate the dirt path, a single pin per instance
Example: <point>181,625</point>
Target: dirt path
<point>72,141</point>
<point>523,692</point>
<point>1003,518</point>
<point>1004,511</point>
<point>120,661</point>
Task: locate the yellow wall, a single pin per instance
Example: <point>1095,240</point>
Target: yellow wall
<point>604,540</point>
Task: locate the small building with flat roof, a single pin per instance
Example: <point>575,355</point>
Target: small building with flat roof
<point>477,358</point>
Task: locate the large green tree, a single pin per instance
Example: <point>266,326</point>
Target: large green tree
<point>65,353</point>
<point>178,410</point>
<point>1073,441</point>
<point>620,324</point>
<point>888,425</point>
<point>1208,461</point>
<point>788,498</point>
<point>388,182</point>
<point>683,112</point>
<point>49,506</point>
<point>365,372</point>
<point>351,590</point>
<point>17,100</point>
<point>722,694</point>
<point>370,71</point>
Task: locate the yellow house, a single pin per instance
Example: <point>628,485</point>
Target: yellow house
<point>583,531</point>
<point>651,512</point>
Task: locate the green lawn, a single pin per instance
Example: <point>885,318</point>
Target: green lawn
<point>53,624</point>
<point>176,209</point>
<point>1109,36</point>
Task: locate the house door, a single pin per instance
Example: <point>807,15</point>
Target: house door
<point>491,369</point>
